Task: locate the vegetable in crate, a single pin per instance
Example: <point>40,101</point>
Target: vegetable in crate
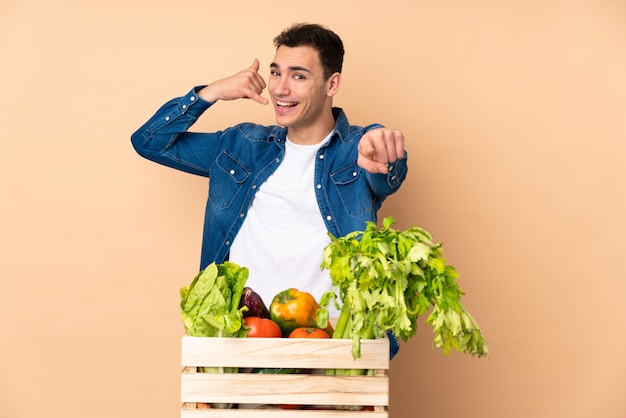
<point>386,279</point>
<point>261,328</point>
<point>210,304</point>
<point>254,304</point>
<point>308,332</point>
<point>292,309</point>
<point>210,307</point>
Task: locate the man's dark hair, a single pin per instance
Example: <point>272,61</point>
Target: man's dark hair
<point>326,42</point>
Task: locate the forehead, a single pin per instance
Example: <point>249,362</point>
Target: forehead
<point>298,57</point>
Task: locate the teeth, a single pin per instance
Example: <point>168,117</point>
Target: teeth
<point>286,104</point>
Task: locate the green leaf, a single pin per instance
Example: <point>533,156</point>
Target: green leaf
<point>210,304</point>
<point>386,279</point>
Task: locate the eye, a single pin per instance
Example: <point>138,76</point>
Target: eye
<point>275,73</point>
<point>298,77</point>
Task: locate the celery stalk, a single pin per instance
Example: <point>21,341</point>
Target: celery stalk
<point>386,279</point>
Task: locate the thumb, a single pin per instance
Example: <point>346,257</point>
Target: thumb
<point>367,150</point>
<point>255,65</point>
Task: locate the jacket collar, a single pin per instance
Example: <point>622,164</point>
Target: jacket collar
<point>342,128</point>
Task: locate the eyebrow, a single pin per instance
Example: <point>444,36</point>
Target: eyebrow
<point>292,68</point>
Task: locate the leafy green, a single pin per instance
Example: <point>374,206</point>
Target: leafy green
<point>209,307</point>
<point>210,304</point>
<point>386,279</point>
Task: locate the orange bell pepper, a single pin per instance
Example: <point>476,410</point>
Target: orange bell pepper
<point>292,309</point>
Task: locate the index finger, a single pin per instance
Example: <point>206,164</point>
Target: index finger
<point>398,139</point>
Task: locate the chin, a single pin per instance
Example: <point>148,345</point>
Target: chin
<point>283,121</point>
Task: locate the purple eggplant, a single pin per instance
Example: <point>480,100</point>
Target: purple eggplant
<point>254,303</point>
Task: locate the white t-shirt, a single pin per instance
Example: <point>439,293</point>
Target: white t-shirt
<point>283,236</point>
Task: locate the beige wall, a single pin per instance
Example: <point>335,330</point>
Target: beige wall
<point>515,117</point>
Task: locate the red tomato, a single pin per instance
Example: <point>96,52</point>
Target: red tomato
<point>308,332</point>
<point>262,327</point>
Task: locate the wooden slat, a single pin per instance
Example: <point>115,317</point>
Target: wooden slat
<point>275,413</point>
<point>283,353</point>
<point>312,387</point>
<point>302,389</point>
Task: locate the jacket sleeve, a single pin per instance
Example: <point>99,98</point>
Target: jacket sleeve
<point>165,139</point>
<point>383,185</point>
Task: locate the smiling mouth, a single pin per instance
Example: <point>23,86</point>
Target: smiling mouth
<point>285,104</point>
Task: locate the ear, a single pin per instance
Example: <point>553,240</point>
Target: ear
<point>333,83</point>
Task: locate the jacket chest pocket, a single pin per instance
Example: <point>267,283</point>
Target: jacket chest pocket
<point>352,189</point>
<point>227,178</point>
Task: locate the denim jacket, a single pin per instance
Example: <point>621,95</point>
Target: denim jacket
<point>239,159</point>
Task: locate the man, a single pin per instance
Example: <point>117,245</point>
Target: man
<point>276,191</point>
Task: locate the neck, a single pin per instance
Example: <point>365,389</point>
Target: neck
<point>311,135</point>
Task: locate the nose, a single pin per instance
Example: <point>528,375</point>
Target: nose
<point>280,86</point>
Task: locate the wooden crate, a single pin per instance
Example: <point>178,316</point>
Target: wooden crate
<point>312,388</point>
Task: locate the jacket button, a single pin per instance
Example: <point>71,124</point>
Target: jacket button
<point>328,218</point>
